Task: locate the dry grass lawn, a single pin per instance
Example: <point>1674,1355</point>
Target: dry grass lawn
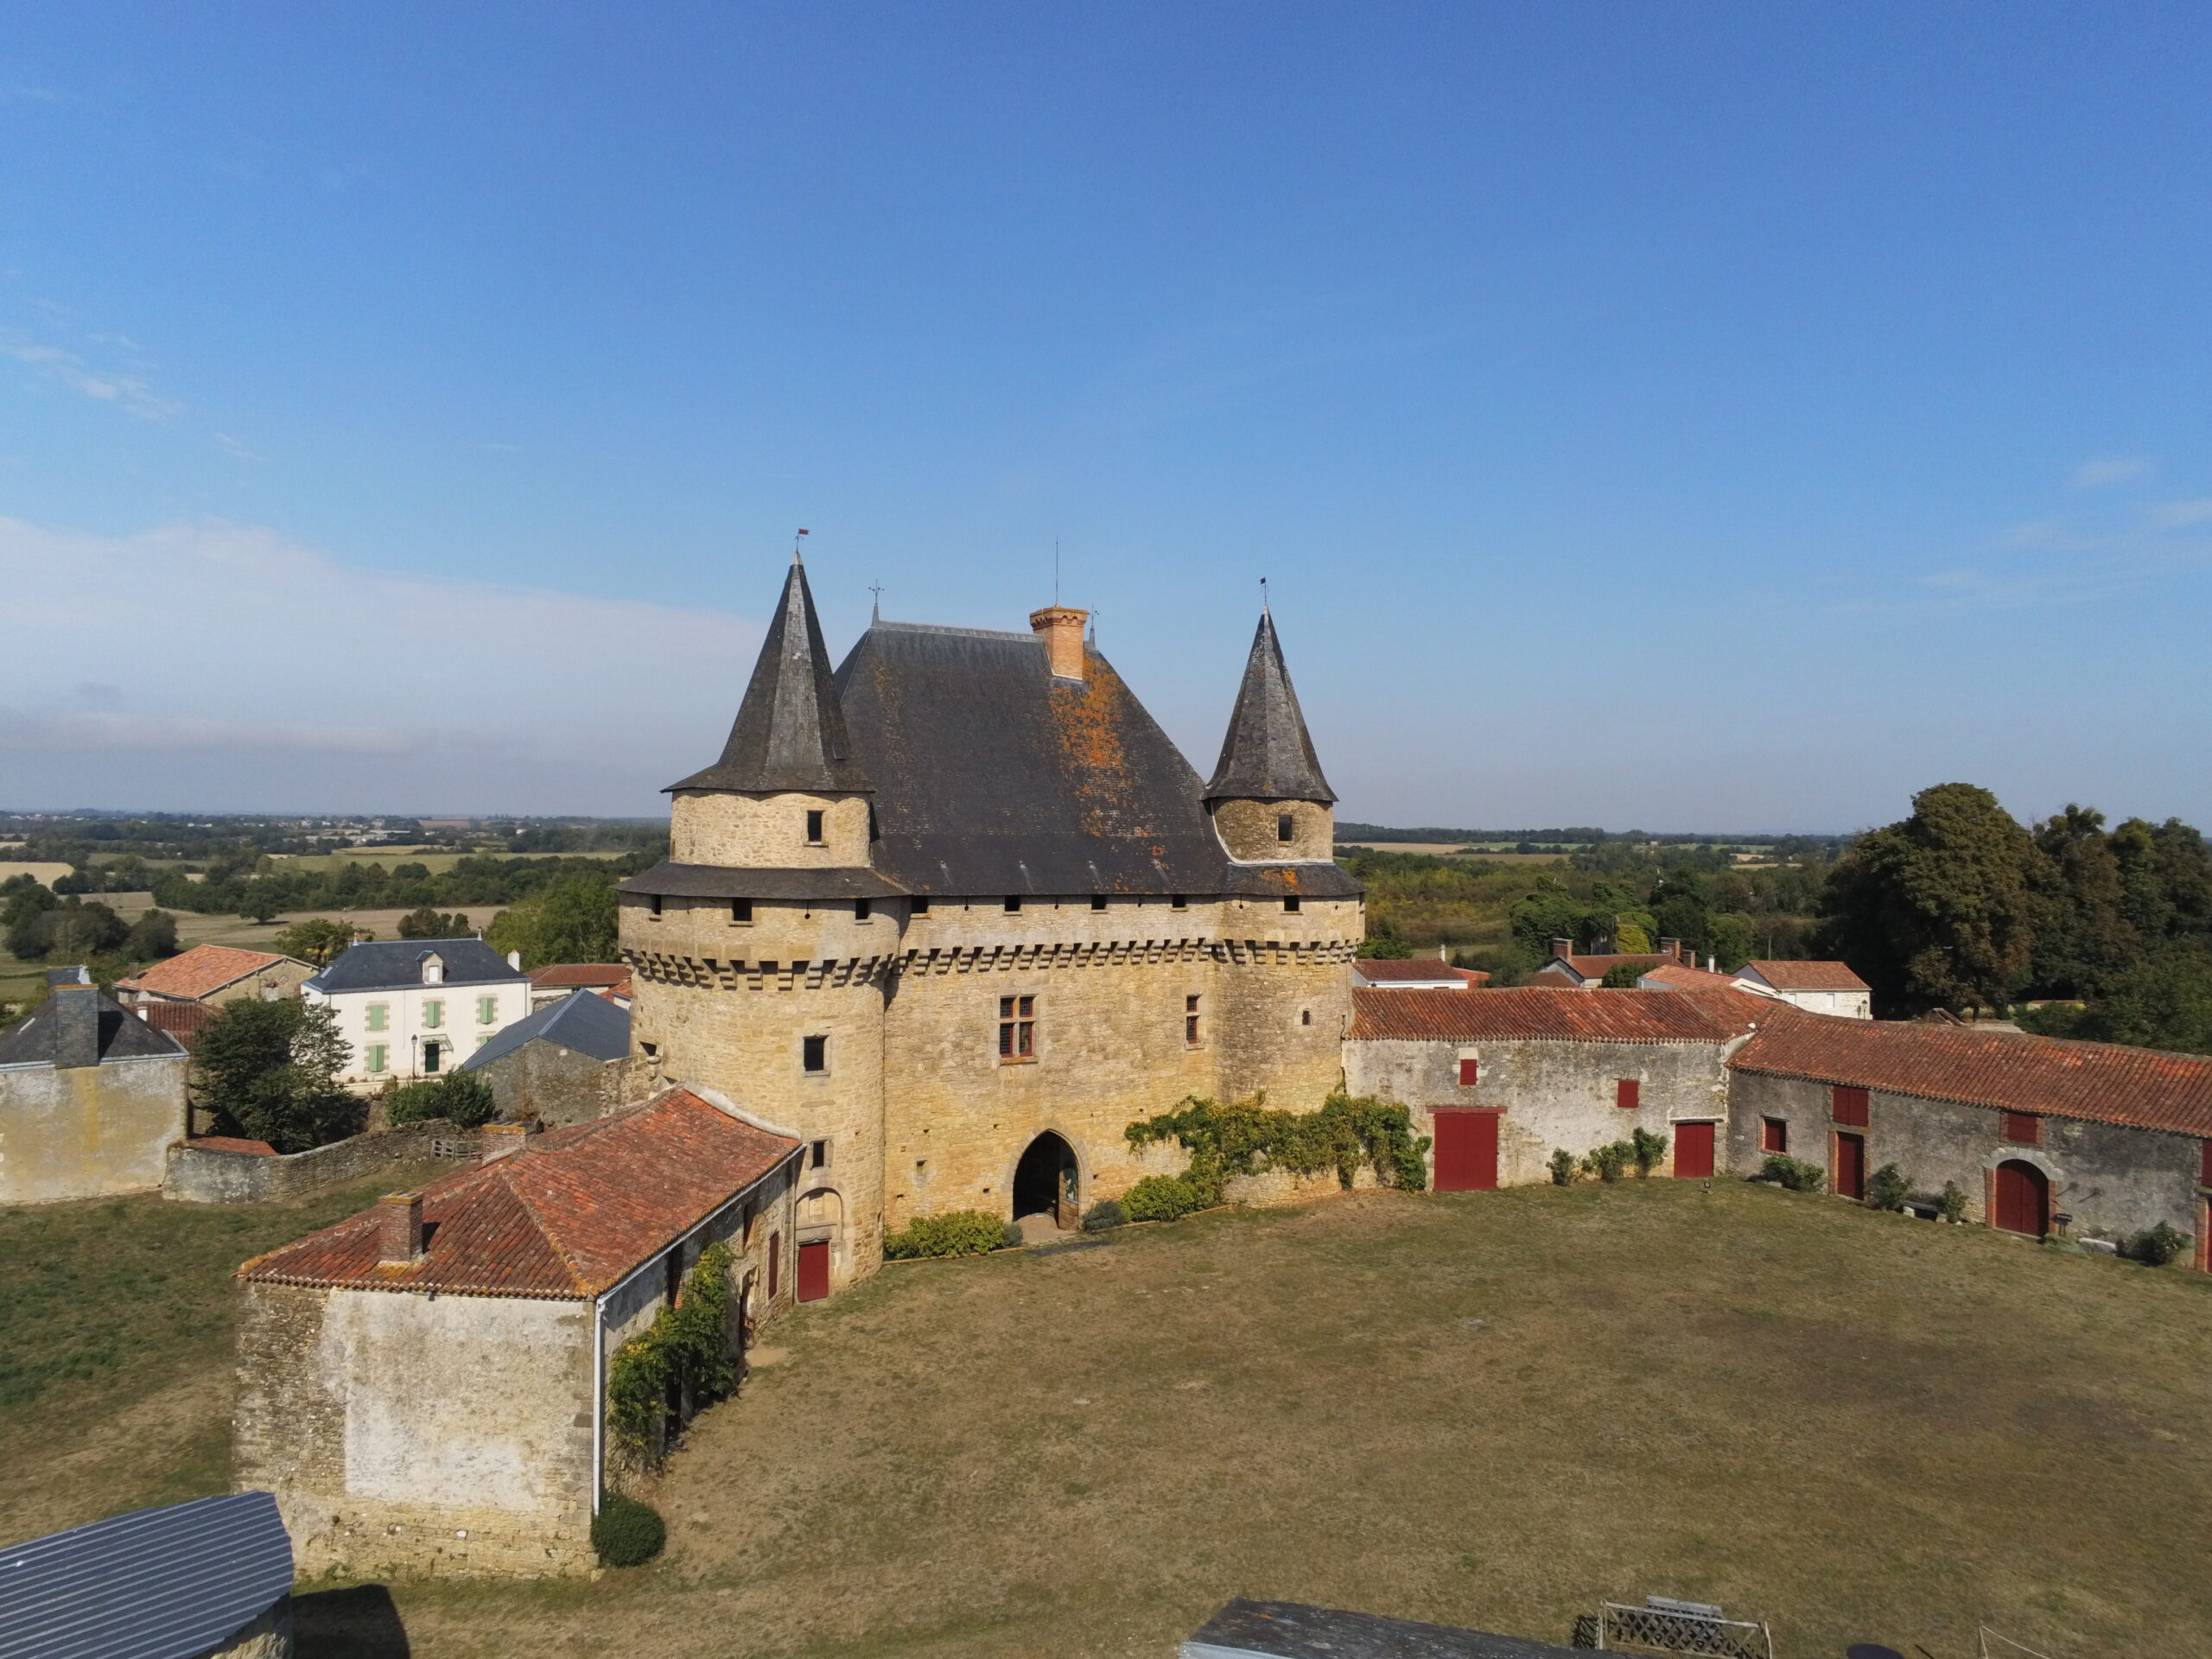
<point>1487,1409</point>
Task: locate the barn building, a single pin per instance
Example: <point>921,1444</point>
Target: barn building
<point>90,1098</point>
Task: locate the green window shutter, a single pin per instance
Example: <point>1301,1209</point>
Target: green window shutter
<point>378,1012</point>
<point>488,1010</point>
<point>433,1015</point>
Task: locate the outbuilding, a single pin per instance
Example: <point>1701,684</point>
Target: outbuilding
<point>90,1098</point>
<point>562,1065</point>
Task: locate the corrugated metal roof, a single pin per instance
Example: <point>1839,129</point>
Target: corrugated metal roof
<point>2103,1083</point>
<point>155,1584</point>
<point>1540,1014</point>
<point>1289,1629</point>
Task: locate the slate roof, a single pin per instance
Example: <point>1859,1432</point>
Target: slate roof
<point>1268,754</point>
<point>720,881</point>
<point>995,777</point>
<point>395,964</point>
<point>2102,1082</point>
<point>1539,1014</point>
<point>564,1219</point>
<point>124,1035</point>
<point>202,971</point>
<point>171,1583</point>
<point>790,731</point>
<point>589,1025</point>
<point>1288,1629</point>
<point>1807,975</point>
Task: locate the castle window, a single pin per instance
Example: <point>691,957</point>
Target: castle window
<point>814,1053</point>
<point>1290,903</point>
<point>1014,904</point>
<point>1191,1021</point>
<point>655,902</point>
<point>918,906</point>
<point>1098,901</point>
<point>1017,1029</point>
<point>1178,901</point>
<point>741,912</point>
<point>862,910</point>
<point>1305,1016</point>
<point>817,1155</point>
<point>814,827</point>
<point>1286,827</point>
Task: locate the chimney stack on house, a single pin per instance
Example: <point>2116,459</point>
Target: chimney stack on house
<point>76,1025</point>
<point>1562,947</point>
<point>399,1228</point>
<point>502,1141</point>
<point>1674,948</point>
<point>1061,629</point>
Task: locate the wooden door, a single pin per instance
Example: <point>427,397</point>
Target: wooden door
<point>1692,1151</point>
<point>2023,1199</point>
<point>1466,1150</point>
<point>814,1271</point>
<point>1851,1166</point>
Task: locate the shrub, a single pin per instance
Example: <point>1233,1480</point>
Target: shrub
<point>1887,1188</point>
<point>1610,1163</point>
<point>687,1344</point>
<point>461,1097</point>
<point>2156,1246</point>
<point>1648,1150</point>
<point>1010,1236</point>
<point>1104,1217</point>
<point>626,1531</point>
<point>1562,1166</point>
<point>1793,1172</point>
<point>1162,1198</point>
<point>1246,1138</point>
<point>1952,1201</point>
<point>958,1232</point>
<point>1624,976</point>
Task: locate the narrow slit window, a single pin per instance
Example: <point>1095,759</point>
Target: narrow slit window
<point>1286,828</point>
<point>817,1155</point>
<point>655,902</point>
<point>814,827</point>
<point>741,912</point>
<point>1191,1021</point>
<point>1305,1016</point>
<point>814,1053</point>
<point>1017,1028</point>
<point>862,910</point>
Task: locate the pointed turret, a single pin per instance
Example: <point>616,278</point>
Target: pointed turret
<point>1267,755</point>
<point>790,731</point>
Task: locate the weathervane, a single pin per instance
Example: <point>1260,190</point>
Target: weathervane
<point>795,540</point>
<point>877,590</point>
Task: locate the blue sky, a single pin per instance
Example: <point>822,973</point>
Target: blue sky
<point>1670,415</point>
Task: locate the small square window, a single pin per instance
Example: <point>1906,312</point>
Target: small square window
<point>1013,904</point>
<point>863,909</point>
<point>653,904</point>
<point>815,1052</point>
<point>2024,1129</point>
<point>1098,901</point>
<point>1848,1105</point>
<point>741,912</point>
<point>1290,903</point>
<point>1774,1135</point>
<point>1286,828</point>
<point>814,827</point>
<point>918,906</point>
<point>1178,901</point>
<point>817,1155</point>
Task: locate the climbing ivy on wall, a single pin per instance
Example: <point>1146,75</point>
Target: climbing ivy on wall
<point>687,1344</point>
<point>1247,1138</point>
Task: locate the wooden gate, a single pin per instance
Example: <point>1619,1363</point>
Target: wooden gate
<point>2023,1198</point>
<point>1692,1151</point>
<point>1466,1149</point>
<point>1850,1165</point>
<point>814,1271</point>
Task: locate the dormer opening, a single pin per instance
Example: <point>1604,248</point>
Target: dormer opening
<point>433,970</point>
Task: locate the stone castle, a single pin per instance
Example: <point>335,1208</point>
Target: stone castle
<point>959,913</point>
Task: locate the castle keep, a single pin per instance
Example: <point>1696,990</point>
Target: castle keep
<point>960,913</point>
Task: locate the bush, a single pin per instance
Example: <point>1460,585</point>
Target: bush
<point>1793,1172</point>
<point>461,1097</point>
<point>1953,1203</point>
<point>1887,1188</point>
<point>1247,1138</point>
<point>1562,1166</point>
<point>1624,976</point>
<point>2156,1246</point>
<point>626,1532</point>
<point>1610,1163</point>
<point>958,1232</point>
<point>1010,1236</point>
<point>1104,1217</point>
<point>1162,1198</point>
<point>1648,1150</point>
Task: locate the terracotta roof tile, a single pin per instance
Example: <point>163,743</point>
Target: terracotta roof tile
<point>592,975</point>
<point>231,1143</point>
<point>1807,975</point>
<point>1681,976</point>
<point>182,1021</point>
<point>566,1217</point>
<point>2103,1083</point>
<point>202,971</point>
<point>1539,1014</point>
<point>1426,969</point>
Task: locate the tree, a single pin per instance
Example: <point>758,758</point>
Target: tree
<point>152,935</point>
<point>574,919</point>
<point>1550,912</point>
<point>1730,939</point>
<point>318,940</point>
<point>259,904</point>
<point>1934,911</point>
<point>429,924</point>
<point>2163,1001</point>
<point>272,1068</point>
<point>1623,976</point>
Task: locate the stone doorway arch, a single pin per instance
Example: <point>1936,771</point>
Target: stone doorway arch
<point>2023,1198</point>
<point>1047,1181</point>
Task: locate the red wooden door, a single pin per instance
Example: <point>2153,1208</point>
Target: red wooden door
<point>814,1271</point>
<point>2023,1199</point>
<point>1692,1151</point>
<point>1466,1150</point>
<point>1851,1166</point>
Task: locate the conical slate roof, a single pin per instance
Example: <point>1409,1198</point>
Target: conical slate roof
<point>1267,755</point>
<point>790,732</point>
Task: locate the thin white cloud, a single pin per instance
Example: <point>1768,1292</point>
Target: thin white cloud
<point>2181,515</point>
<point>2105,470</point>
<point>125,392</point>
<point>230,446</point>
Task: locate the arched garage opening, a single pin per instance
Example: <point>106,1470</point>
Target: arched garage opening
<point>1044,1181</point>
<point>2023,1198</point>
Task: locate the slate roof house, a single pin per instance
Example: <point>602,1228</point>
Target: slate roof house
<point>561,1064</point>
<point>962,911</point>
<point>417,1007</point>
<point>90,1098</point>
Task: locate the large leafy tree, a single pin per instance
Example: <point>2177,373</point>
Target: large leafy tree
<point>572,920</point>
<point>1935,911</point>
<point>271,1069</point>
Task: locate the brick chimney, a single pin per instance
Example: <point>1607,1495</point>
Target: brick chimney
<point>1672,948</point>
<point>500,1140</point>
<point>1061,629</point>
<point>399,1227</point>
<point>1562,947</point>
<point>76,1025</point>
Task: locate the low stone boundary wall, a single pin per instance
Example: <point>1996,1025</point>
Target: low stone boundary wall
<point>217,1175</point>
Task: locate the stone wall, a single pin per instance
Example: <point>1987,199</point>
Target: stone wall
<point>1251,831</point>
<point>2114,1181</point>
<point>401,1432</point>
<point>767,831</point>
<point>89,1131</point>
<point>211,1175</point>
<point>1553,1094</point>
<point>552,1085</point>
<point>269,1636</point>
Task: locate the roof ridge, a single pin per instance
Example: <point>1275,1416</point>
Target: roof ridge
<point>505,1170</point>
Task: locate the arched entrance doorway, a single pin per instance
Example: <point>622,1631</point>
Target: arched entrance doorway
<point>2023,1198</point>
<point>1044,1181</point>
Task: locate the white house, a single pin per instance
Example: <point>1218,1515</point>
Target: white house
<point>1816,987</point>
<point>419,1007</point>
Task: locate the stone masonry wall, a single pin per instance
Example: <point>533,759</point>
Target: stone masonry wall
<point>553,1086</point>
<point>88,1131</point>
<point>209,1175</point>
<point>767,831</point>
<point>1250,830</point>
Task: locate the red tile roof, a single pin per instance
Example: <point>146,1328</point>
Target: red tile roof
<point>231,1143</point>
<point>202,971</point>
<point>2103,1083</point>
<point>1540,1014</point>
<point>1417,969</point>
<point>564,1218</point>
<point>182,1021</point>
<point>569,976</point>
<point>1807,975</point>
<point>1595,967</point>
<point>1682,977</point>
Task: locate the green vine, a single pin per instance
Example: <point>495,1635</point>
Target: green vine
<point>1247,1138</point>
<point>687,1343</point>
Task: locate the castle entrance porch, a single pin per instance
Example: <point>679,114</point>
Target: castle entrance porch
<point>1046,1182</point>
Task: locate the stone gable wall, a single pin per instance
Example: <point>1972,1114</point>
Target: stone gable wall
<point>89,1131</point>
